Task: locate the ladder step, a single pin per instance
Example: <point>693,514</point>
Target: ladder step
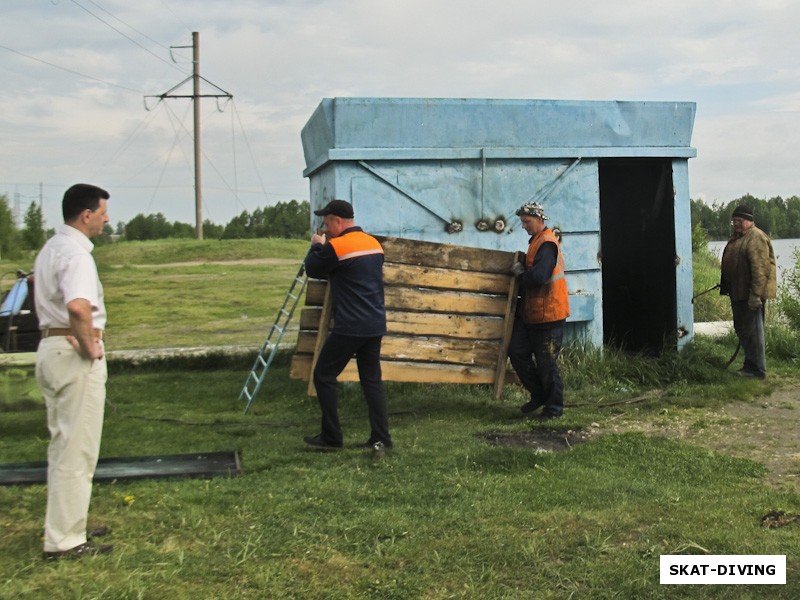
<point>268,349</point>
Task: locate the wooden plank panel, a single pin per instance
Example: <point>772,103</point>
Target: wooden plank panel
<point>404,372</point>
<point>581,308</point>
<point>324,323</point>
<point>315,292</point>
<point>452,279</point>
<point>415,252</point>
<point>447,315</point>
<point>463,326</point>
<point>397,298</point>
<point>309,317</point>
<point>435,349</point>
<point>306,342</point>
<point>508,318</point>
<point>443,350</point>
<point>482,327</point>
<point>421,277</point>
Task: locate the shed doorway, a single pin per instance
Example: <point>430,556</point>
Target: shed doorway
<point>637,236</point>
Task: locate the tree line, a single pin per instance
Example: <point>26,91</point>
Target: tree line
<point>13,241</point>
<point>777,217</point>
<point>285,220</point>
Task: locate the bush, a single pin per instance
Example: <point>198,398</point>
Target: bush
<point>789,294</point>
<point>709,306</point>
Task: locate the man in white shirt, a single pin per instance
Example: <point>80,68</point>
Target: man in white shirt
<point>71,368</point>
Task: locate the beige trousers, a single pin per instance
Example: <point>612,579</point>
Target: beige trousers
<point>74,390</point>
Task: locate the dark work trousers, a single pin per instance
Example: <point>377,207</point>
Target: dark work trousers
<point>749,327</point>
<point>533,351</point>
<point>333,358</point>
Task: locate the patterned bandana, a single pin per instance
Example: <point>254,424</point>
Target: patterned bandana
<point>532,209</point>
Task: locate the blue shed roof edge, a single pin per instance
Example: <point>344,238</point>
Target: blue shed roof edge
<point>356,154</point>
<point>465,123</point>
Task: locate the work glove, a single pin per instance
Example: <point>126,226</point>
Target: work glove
<point>517,268</point>
<point>754,302</point>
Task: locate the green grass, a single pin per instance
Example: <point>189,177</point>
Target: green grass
<point>444,515</point>
<point>176,251</point>
<point>173,294</point>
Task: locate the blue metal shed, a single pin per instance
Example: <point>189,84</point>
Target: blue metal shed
<point>612,176</point>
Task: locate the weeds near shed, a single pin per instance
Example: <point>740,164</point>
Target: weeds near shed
<point>789,294</point>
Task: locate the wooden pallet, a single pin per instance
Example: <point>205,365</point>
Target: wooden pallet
<point>449,316</point>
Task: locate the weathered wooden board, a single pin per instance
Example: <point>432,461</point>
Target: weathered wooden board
<point>423,299</point>
<point>406,298</point>
<point>410,372</point>
<point>436,349</point>
<point>483,327</point>
<point>309,317</point>
<point>449,310</point>
<point>431,254</point>
<point>444,279</point>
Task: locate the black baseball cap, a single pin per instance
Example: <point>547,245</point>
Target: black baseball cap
<point>338,208</point>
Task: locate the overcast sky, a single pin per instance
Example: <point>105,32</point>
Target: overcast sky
<point>75,74</point>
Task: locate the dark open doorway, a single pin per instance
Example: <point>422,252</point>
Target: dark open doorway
<point>638,253</point>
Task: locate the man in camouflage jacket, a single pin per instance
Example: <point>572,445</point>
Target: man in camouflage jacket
<point>749,278</point>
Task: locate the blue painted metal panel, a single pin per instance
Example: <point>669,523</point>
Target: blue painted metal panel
<point>455,170</point>
<point>411,123</point>
<point>684,285</point>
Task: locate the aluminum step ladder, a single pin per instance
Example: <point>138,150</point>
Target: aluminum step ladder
<point>270,347</point>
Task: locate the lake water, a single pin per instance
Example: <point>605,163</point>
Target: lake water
<point>784,253</point>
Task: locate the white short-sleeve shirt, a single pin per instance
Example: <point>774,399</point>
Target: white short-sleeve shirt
<point>64,271</point>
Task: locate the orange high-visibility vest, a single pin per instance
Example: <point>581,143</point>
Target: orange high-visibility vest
<point>548,302</point>
<point>354,244</point>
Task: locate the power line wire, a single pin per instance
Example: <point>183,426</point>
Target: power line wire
<point>144,35</point>
<point>72,71</point>
<point>127,37</point>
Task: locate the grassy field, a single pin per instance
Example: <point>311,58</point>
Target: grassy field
<point>183,293</point>
<point>472,503</point>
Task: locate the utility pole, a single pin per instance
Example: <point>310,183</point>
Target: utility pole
<point>195,97</point>
<point>198,185</point>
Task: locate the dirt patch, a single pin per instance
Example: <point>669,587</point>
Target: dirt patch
<point>779,518</point>
<point>539,440</point>
<point>764,429</point>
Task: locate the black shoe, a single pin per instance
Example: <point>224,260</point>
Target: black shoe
<point>318,443</point>
<point>530,407</point>
<point>79,551</point>
<point>747,373</point>
<point>545,416</point>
